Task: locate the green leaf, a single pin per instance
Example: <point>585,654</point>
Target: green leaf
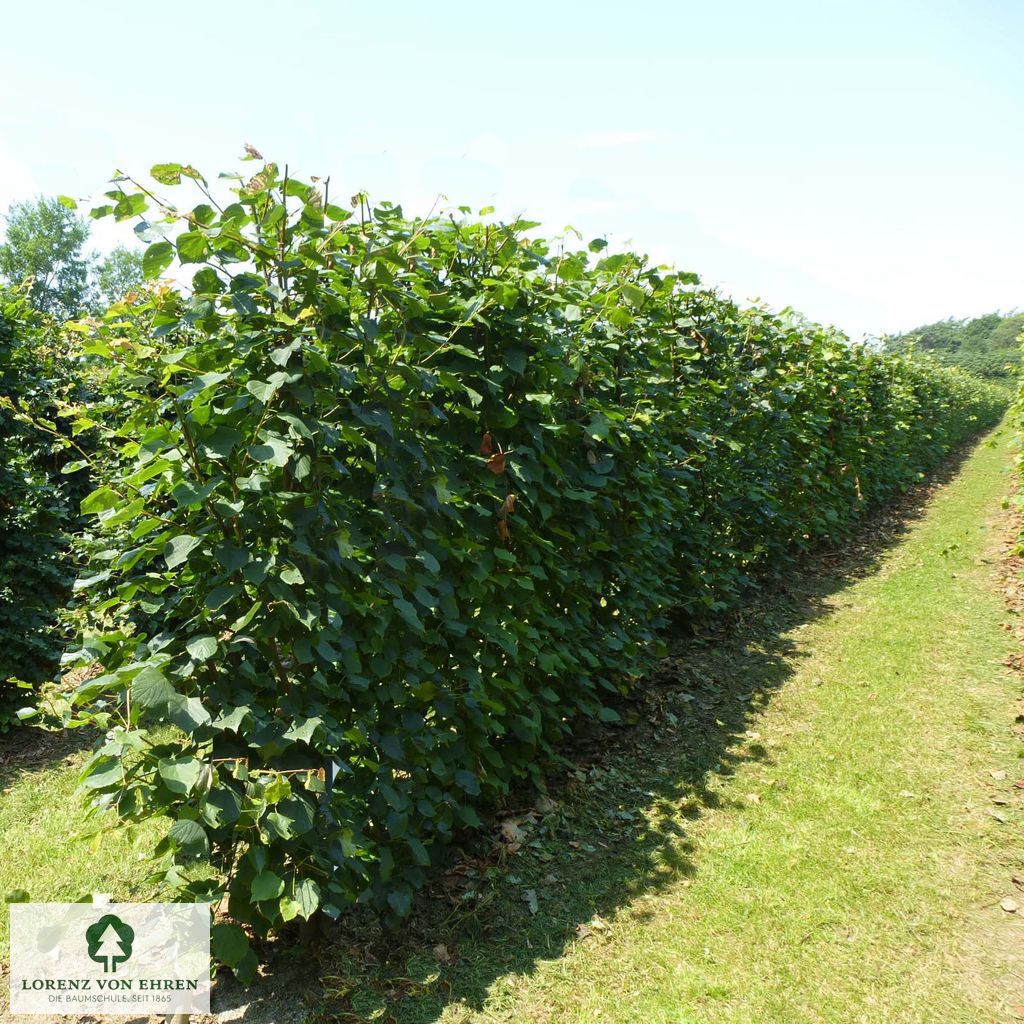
<point>620,317</point>
<point>130,206</point>
<point>150,688</point>
<point>467,781</point>
<point>279,788</point>
<point>192,247</point>
<point>419,851</point>
<point>267,886</point>
<point>156,259</point>
<point>408,613</point>
<point>100,500</point>
<point>273,451</point>
<point>307,896</point>
<point>219,596</point>
<point>233,719</point>
<point>180,774</point>
<point>187,713</point>
<point>228,943</point>
<point>222,807</point>
<point>177,548</point>
<point>288,908</point>
<point>245,971</point>
<point>186,493</point>
<point>166,174</point>
<point>201,647</point>
<point>102,772</point>
<point>67,202</point>
<point>220,442</point>
<point>261,390</point>
<point>430,563</point>
<point>190,836</point>
<point>303,729</point>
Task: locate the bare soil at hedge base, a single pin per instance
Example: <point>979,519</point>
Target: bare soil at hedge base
<point>695,715</point>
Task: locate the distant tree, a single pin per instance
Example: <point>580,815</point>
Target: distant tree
<point>44,240</point>
<point>118,274</point>
<point>987,345</point>
<point>1008,333</point>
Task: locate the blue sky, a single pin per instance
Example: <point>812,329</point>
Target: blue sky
<point>861,161</point>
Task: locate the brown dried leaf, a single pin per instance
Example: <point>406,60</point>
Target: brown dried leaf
<point>511,832</point>
<point>442,954</point>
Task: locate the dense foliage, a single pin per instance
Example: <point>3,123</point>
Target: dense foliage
<point>397,502</point>
<point>38,504</point>
<point>986,345</point>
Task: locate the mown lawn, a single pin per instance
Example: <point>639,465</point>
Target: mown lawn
<point>46,848</point>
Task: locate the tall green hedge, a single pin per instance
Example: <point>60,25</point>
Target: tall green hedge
<point>398,502</point>
<point>38,503</point>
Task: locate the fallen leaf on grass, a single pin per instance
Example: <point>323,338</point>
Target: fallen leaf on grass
<point>1010,905</point>
<point>530,899</point>
<point>998,774</point>
<point>1001,818</point>
<point>442,954</point>
<point>511,832</point>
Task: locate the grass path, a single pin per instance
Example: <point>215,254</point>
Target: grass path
<point>800,828</point>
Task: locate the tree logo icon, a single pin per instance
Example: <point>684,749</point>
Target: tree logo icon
<point>109,941</point>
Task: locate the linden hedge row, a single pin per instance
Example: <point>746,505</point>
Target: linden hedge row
<point>388,505</point>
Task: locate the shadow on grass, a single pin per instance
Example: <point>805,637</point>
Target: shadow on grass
<point>26,749</point>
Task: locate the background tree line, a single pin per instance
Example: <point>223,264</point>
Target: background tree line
<point>985,345</point>
<point>44,243</point>
<point>47,276</point>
